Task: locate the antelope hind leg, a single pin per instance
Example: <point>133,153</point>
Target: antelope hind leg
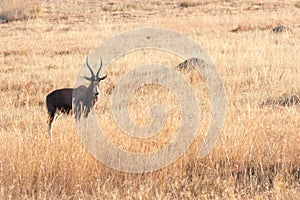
<point>50,124</point>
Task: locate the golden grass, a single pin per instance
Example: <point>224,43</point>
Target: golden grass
<point>258,155</point>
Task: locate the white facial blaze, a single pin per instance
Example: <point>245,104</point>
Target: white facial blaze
<point>95,88</point>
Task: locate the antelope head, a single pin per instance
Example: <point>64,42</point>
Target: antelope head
<point>94,79</point>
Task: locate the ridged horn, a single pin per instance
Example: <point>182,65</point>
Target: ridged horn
<point>87,64</point>
<point>97,75</point>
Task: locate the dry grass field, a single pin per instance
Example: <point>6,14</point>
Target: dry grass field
<point>45,42</point>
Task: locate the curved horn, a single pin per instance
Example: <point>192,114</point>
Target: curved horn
<point>97,75</point>
<point>87,64</point>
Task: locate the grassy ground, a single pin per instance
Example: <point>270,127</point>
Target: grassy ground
<point>43,46</point>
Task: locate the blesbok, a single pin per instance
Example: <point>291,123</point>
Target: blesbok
<point>79,100</point>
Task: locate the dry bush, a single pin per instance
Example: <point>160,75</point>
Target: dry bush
<point>11,10</point>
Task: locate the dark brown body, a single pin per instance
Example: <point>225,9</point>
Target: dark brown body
<point>59,100</point>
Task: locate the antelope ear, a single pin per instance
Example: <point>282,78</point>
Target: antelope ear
<point>87,78</point>
<point>103,77</point>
